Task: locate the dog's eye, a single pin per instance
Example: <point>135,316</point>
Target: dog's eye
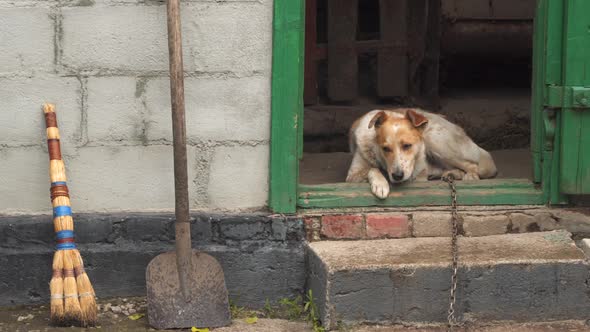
<point>386,149</point>
<point>407,146</point>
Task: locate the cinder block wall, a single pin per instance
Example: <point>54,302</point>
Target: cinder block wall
<point>104,64</point>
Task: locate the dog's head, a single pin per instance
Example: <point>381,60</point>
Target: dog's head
<point>399,141</point>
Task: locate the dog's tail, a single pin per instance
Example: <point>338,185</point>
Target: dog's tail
<point>487,167</point>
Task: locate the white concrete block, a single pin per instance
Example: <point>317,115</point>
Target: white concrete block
<point>100,179</point>
<point>117,37</point>
<point>24,181</point>
<point>28,3</point>
<point>22,117</point>
<point>534,222</point>
<point>142,2</point>
<point>235,37</point>
<point>216,108</point>
<point>480,225</point>
<point>427,224</point>
<point>113,110</point>
<point>216,37</point>
<point>585,245</point>
<point>26,40</point>
<point>239,177</point>
<point>130,178</point>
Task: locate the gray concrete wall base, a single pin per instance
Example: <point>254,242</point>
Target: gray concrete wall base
<point>262,257</point>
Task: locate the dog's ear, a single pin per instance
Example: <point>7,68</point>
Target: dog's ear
<point>417,119</point>
<point>377,120</point>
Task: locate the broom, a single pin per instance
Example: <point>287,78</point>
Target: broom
<point>72,296</point>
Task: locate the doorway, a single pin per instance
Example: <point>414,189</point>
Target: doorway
<point>470,61</point>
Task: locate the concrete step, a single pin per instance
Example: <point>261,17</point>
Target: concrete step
<point>513,277</point>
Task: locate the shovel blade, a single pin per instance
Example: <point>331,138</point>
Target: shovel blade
<point>207,305</point>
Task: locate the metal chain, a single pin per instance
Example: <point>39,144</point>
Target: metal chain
<point>452,321</point>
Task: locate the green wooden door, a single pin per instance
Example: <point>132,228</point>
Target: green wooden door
<point>561,98</point>
<point>575,140</point>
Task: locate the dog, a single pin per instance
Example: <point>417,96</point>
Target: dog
<point>400,145</point>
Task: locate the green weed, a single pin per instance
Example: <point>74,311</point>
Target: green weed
<point>312,313</point>
<point>238,312</point>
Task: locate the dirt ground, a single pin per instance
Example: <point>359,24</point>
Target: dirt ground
<point>116,314</point>
<point>569,326</point>
<point>128,315</point>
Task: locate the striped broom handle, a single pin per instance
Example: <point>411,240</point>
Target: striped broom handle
<point>62,211</point>
<point>77,295</point>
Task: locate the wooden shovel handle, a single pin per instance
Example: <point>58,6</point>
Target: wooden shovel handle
<point>183,235</point>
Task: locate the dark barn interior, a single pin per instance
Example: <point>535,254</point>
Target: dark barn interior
<point>468,60</point>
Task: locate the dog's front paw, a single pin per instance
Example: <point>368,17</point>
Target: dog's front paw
<point>457,174</point>
<point>470,176</point>
<point>432,177</point>
<point>380,188</point>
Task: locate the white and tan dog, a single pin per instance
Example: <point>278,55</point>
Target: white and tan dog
<point>404,144</point>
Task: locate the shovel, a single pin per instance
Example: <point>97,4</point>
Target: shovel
<point>185,288</point>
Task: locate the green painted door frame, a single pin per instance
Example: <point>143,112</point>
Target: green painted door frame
<point>561,98</point>
<point>545,119</point>
<point>286,104</point>
<point>560,67</point>
<point>575,90</point>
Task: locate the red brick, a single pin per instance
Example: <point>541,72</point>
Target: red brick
<point>342,227</point>
<point>387,225</point>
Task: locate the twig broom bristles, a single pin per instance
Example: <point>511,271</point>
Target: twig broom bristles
<point>72,296</point>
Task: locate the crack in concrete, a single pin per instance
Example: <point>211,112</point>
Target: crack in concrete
<point>83,138</point>
<point>57,17</point>
<point>140,89</point>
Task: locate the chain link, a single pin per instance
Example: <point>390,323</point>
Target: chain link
<point>451,319</point>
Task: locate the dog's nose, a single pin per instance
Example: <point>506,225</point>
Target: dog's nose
<point>398,176</point>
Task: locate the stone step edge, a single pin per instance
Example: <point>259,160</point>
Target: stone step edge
<point>507,249</point>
